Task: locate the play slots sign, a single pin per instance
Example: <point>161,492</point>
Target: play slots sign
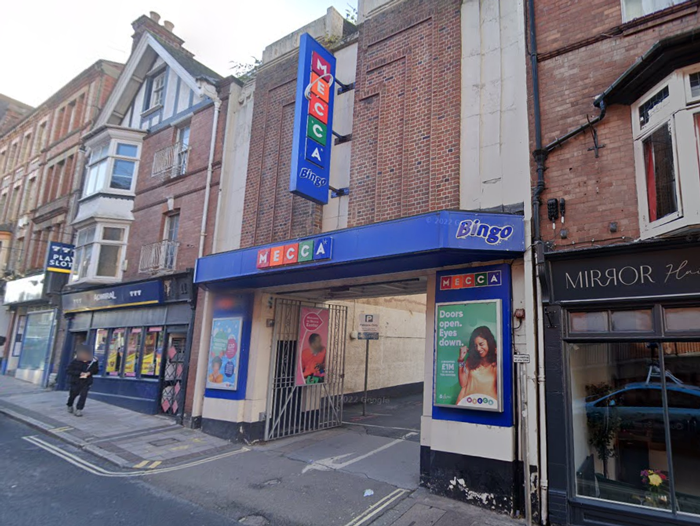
<point>313,122</point>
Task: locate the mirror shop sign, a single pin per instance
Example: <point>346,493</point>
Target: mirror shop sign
<point>665,273</point>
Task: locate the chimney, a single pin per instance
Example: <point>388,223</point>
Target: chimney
<point>150,24</point>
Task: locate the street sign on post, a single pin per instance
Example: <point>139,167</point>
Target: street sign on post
<point>369,330</point>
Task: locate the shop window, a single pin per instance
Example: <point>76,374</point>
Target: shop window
<point>133,347</point>
<point>623,394</point>
<point>588,321</point>
<point>116,352</point>
<point>100,347</point>
<point>611,321</point>
<point>152,352</point>
<point>36,341</point>
<point>632,321</point>
<point>632,9</point>
<point>682,319</point>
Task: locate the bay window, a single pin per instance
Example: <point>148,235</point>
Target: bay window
<point>112,167</point>
<point>99,252</point>
<point>665,126</point>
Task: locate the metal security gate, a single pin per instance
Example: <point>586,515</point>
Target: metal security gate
<point>295,409</point>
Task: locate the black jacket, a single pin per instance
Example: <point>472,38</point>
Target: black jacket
<point>78,366</point>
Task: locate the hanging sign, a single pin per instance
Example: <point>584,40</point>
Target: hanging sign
<point>313,122</point>
<point>60,258</point>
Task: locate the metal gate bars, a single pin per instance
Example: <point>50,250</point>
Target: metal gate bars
<point>295,407</point>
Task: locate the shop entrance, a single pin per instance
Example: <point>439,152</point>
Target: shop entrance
<point>173,371</point>
<point>308,368</point>
<point>394,364</point>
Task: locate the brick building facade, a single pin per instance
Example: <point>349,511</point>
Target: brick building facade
<point>41,166</point>
<point>616,167</point>
<point>403,165</point>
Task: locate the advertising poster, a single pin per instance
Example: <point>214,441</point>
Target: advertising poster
<point>224,357</point>
<point>312,345</point>
<point>469,365</point>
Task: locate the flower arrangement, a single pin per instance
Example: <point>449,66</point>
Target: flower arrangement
<point>656,495</point>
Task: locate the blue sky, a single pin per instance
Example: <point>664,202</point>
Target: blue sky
<point>46,43</point>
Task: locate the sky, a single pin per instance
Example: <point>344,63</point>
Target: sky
<point>45,43</point>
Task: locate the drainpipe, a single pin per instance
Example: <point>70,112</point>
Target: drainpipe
<point>209,90</point>
<point>200,379</point>
<point>540,155</point>
<point>539,188</point>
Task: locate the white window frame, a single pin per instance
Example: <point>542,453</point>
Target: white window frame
<point>111,157</point>
<point>626,18</point>
<point>97,243</point>
<point>155,90</point>
<point>679,109</point>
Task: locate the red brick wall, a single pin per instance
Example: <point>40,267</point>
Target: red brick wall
<point>187,191</point>
<point>405,148</point>
<point>583,48</point>
<point>271,213</point>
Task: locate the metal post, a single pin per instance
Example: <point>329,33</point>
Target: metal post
<point>364,400</point>
<point>524,442</point>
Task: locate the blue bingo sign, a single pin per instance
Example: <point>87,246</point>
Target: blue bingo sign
<point>313,122</point>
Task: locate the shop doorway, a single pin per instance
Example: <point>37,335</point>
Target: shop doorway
<point>173,372</point>
<point>308,368</point>
<point>394,364</point>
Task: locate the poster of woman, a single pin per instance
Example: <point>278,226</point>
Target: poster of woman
<point>312,346</point>
<point>468,366</point>
<point>224,357</point>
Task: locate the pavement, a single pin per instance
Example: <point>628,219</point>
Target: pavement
<point>364,473</point>
<point>120,436</point>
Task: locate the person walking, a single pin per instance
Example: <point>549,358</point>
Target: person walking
<point>80,372</point>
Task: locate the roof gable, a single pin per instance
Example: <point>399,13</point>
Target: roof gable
<point>136,70</point>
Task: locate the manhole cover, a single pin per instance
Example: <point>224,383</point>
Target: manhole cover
<point>164,442</point>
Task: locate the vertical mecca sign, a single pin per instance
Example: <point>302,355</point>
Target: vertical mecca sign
<point>313,122</point>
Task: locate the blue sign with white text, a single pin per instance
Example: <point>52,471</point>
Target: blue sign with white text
<point>59,257</point>
<point>313,122</point>
<point>132,294</point>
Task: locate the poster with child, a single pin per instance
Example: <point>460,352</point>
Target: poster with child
<point>224,356</point>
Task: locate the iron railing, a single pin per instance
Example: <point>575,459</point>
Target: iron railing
<point>158,257</point>
<point>170,161</point>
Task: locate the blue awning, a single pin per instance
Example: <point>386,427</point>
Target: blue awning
<point>431,240</point>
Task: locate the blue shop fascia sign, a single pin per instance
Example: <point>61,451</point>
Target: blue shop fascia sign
<point>131,295</point>
<point>450,237</point>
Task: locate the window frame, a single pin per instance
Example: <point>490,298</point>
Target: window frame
<point>625,18</point>
<point>93,186</point>
<point>138,374</point>
<point>685,136</point>
<point>152,90</point>
<point>96,244</point>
